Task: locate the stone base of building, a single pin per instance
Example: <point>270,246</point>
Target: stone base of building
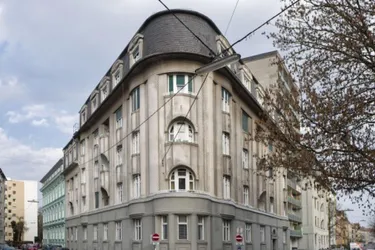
<point>150,212</point>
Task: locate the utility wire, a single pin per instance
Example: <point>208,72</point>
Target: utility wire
<point>187,113</point>
<point>192,32</point>
<point>260,26</point>
<point>230,20</point>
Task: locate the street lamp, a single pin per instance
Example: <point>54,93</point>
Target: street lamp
<point>217,64</point>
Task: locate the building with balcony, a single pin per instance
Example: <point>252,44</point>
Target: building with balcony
<point>272,75</point>
<point>3,180</point>
<point>18,195</point>
<point>53,210</point>
<point>189,175</point>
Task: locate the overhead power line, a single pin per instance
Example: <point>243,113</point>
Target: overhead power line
<point>230,20</point>
<point>260,26</point>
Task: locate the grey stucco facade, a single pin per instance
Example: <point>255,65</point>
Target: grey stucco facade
<point>126,178</point>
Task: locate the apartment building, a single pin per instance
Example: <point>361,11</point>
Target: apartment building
<point>53,210</point>
<point>343,229</point>
<point>21,199</point>
<point>271,74</point>
<point>3,180</point>
<point>190,176</point>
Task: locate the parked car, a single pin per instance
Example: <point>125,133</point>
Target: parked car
<point>4,246</point>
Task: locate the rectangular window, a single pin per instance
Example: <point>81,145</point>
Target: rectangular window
<point>225,97</point>
<point>83,147</point>
<point>95,229</point>
<point>83,117</point>
<point>76,233</point>
<point>117,77</point>
<point>137,229</point>
<point>94,104</point>
<point>180,83</point>
<point>245,121</point>
<point>246,195</point>
<point>118,114</point>
<point>104,91</point>
<point>164,227</point>
<point>135,142</point>
<point>200,227</point>
<point>136,186</point>
<point>226,187</point>
<point>182,227</point>
<point>135,99</point>
<point>245,158</point>
<point>105,231</point>
<point>225,142</point>
<point>119,155</point>
<point>284,236</point>
<point>119,188</point>
<point>118,230</point>
<point>248,232</point>
<point>136,55</point>
<point>246,81</point>
<point>271,205</point>
<point>96,199</point>
<point>226,230</point>
<point>262,234</point>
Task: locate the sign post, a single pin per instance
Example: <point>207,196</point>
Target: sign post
<point>239,241</point>
<point>155,238</point>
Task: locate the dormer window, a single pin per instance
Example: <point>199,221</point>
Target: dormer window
<point>135,49</point>
<point>94,103</point>
<point>222,46</point>
<point>104,91</point>
<point>117,73</point>
<point>83,115</point>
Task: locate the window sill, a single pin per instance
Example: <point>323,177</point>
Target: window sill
<point>137,241</point>
<point>189,94</point>
<point>135,111</point>
<point>182,241</point>
<point>225,112</point>
<point>181,142</point>
<point>202,242</point>
<point>227,243</point>
<point>118,241</point>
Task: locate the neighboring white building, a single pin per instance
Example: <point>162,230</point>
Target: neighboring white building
<point>31,210</point>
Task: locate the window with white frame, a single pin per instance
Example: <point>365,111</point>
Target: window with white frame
<point>225,142</point>
<point>182,180</point>
<point>246,80</point>
<point>182,227</point>
<point>84,229</point>
<point>245,122</point>
<point>136,186</point>
<point>104,91</point>
<point>83,116</point>
<point>245,158</point>
<point>95,229</point>
<point>200,227</point>
<point>246,195</point>
<point>271,205</point>
<point>135,97</point>
<point>119,189</point>
<point>181,132</point>
<point>135,142</point>
<point>136,55</point>
<point>248,232</point>
<point>119,230</point>
<point>226,230</point>
<point>94,103</point>
<point>118,115</point>
<point>226,187</point>
<point>262,234</point>
<point>135,49</point>
<point>117,77</point>
<point>137,229</point>
<point>119,155</point>
<point>225,98</point>
<point>83,147</point>
<point>180,83</point>
<point>164,227</point>
<point>105,231</point>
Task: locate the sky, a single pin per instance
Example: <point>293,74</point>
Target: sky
<point>53,53</point>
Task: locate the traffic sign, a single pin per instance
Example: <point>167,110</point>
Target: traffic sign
<point>239,238</point>
<point>155,237</point>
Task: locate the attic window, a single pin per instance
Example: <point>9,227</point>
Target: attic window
<point>135,49</point>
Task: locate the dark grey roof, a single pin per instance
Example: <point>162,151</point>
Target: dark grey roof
<point>2,174</point>
<point>53,169</point>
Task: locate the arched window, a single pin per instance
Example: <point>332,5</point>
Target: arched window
<point>181,179</point>
<point>181,131</point>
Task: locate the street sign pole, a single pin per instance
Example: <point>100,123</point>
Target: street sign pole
<point>155,239</point>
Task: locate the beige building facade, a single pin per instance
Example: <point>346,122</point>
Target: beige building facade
<point>146,160</point>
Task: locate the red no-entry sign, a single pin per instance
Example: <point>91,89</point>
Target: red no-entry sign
<point>239,238</point>
<point>155,237</point>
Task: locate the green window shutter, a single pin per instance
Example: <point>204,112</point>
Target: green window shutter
<point>190,84</point>
<point>245,122</point>
<point>180,80</point>
<point>170,83</point>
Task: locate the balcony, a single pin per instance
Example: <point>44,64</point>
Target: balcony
<point>294,201</point>
<point>293,184</point>
<point>294,217</point>
<point>296,233</point>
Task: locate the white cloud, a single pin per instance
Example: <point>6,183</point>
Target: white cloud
<point>43,115</point>
<point>21,161</point>
<point>10,88</point>
<point>40,123</point>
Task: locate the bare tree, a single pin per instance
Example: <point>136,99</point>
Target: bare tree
<point>329,48</point>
